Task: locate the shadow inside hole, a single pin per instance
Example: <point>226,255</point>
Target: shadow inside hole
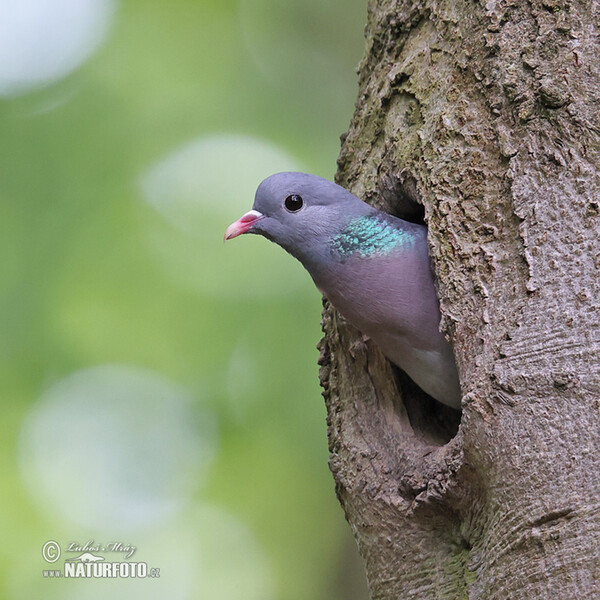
<point>402,198</point>
<point>432,420</point>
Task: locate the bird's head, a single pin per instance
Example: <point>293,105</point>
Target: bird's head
<point>299,212</point>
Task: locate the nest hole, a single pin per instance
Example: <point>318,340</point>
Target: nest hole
<point>430,419</point>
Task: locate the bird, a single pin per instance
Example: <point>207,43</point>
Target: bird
<point>372,266</point>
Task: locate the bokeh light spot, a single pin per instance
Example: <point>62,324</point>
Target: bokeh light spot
<point>115,445</point>
<point>214,175</point>
<point>200,189</point>
<point>44,40</point>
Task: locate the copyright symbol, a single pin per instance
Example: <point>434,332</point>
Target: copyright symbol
<point>51,551</point>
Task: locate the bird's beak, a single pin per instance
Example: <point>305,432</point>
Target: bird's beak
<point>243,224</point>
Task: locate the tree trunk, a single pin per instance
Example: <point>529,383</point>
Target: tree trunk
<point>487,113</point>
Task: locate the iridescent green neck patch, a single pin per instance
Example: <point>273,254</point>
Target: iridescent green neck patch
<point>370,235</point>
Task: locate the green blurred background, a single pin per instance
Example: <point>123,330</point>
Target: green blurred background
<point>160,387</point>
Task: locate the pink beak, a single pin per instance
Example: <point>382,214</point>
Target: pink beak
<point>243,224</point>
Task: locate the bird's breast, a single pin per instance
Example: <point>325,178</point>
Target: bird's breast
<point>393,301</point>
<point>381,293</point>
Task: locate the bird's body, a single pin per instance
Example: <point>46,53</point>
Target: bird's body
<point>373,267</point>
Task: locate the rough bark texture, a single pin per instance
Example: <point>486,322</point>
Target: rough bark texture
<point>488,114</point>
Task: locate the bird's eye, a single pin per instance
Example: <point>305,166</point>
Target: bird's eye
<point>294,203</point>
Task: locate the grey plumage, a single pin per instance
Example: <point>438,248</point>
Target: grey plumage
<point>373,267</point>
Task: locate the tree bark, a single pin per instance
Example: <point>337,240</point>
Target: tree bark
<point>486,113</point>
